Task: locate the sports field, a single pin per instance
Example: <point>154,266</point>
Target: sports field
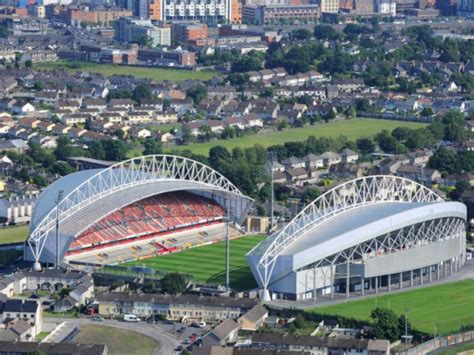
<point>352,129</point>
<point>158,74</point>
<point>207,263</point>
<point>15,234</point>
<point>446,306</point>
<point>118,341</point>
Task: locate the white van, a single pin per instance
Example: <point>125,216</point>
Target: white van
<point>130,318</point>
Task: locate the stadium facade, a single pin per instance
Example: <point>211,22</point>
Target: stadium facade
<point>75,203</point>
<point>367,235</point>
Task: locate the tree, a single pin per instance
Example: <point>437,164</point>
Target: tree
<point>28,63</point>
<point>40,181</point>
<point>152,146</point>
<point>205,132</point>
<point>387,142</point>
<point>311,194</point>
<point>385,324</point>
<point>63,149</point>
<point>301,34</point>
<point>97,150</point>
<point>144,41</point>
<point>461,186</point>
<point>247,63</point>
<point>115,150</point>
<point>444,160</point>
<point>325,32</point>
<point>61,168</point>
<point>197,93</point>
<point>186,134</point>
<point>365,146</point>
<point>427,111</point>
<point>217,155</point>
<point>174,283</point>
<point>141,92</point>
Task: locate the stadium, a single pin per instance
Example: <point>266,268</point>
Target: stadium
<point>368,235</point>
<point>138,208</point>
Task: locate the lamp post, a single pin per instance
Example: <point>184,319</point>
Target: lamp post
<point>272,156</point>
<point>227,252</point>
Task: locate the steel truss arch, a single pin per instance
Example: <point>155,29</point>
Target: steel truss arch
<point>357,193</point>
<point>123,175</point>
<point>405,238</point>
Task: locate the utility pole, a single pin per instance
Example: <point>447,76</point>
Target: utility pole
<point>60,196</point>
<point>406,328</point>
<point>227,252</point>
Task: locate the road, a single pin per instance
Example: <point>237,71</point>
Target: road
<point>167,341</point>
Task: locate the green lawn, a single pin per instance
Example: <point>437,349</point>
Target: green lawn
<point>352,129</point>
<point>448,306</point>
<point>118,341</point>
<point>14,234</point>
<point>207,263</point>
<point>158,74</point>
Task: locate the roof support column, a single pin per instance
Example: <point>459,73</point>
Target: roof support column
<point>421,276</point>
<point>429,275</point>
<point>362,284</point>
<point>389,280</point>
<point>411,278</point>
<point>437,271</point>
<point>376,284</point>
<point>348,280</point>
<point>401,281</point>
<point>314,283</point>
<point>332,280</point>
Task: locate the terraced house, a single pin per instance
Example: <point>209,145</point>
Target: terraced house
<point>174,307</point>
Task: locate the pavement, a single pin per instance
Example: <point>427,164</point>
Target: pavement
<point>466,273</point>
<point>167,340</point>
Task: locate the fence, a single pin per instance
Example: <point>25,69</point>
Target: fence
<point>441,342</point>
<point>394,117</point>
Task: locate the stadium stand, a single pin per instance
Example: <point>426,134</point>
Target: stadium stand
<point>150,218</point>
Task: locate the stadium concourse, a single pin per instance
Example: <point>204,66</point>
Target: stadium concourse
<point>138,208</point>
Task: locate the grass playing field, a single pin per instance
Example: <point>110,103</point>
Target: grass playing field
<point>14,234</point>
<point>158,74</point>
<point>352,129</point>
<point>118,341</point>
<point>447,306</point>
<point>207,263</point>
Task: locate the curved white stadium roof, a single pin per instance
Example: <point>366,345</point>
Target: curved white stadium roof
<point>344,217</point>
<point>90,195</point>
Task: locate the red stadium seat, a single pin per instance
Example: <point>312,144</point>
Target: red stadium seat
<point>149,217</point>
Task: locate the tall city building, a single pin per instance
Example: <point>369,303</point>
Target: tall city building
<point>328,6</point>
<point>129,30</point>
<point>209,11</point>
<point>466,8</point>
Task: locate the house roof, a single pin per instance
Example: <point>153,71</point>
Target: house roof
<point>20,306</point>
<point>223,330</point>
<point>256,313</point>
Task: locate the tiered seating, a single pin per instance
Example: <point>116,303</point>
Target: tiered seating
<point>150,217</point>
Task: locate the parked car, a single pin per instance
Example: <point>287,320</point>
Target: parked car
<point>98,318</point>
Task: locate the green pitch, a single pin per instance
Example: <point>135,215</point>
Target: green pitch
<point>446,307</point>
<point>158,74</point>
<point>207,263</point>
<point>352,129</point>
<point>16,234</point>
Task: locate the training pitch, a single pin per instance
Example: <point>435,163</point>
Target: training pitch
<point>444,307</point>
